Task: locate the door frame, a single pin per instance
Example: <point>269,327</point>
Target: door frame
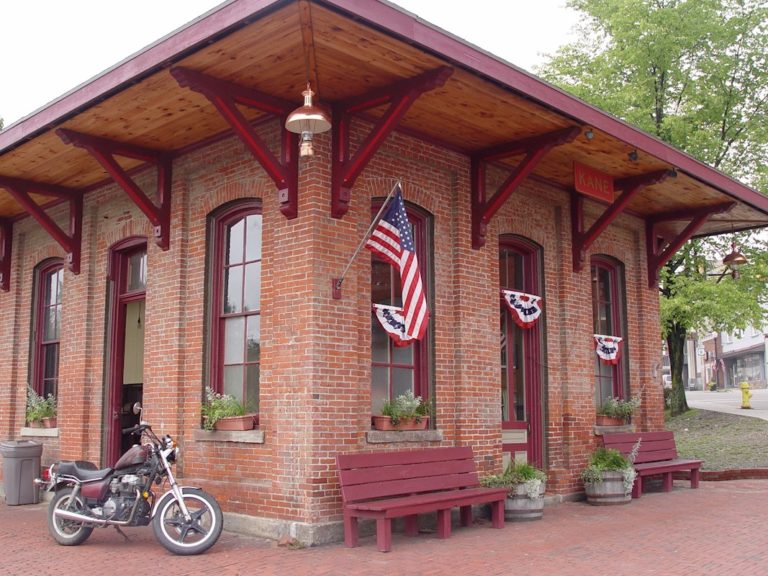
<point>118,298</point>
<point>533,349</point>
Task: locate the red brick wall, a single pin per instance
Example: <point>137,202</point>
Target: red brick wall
<point>315,372</point>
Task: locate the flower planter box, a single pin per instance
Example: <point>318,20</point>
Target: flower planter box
<point>609,492</point>
<point>602,420</point>
<point>385,423</point>
<point>519,507</point>
<point>49,422</point>
<point>35,424</point>
<point>244,422</point>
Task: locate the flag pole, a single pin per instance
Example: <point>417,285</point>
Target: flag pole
<point>336,282</point>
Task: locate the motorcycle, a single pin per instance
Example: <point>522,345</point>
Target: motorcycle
<point>185,520</point>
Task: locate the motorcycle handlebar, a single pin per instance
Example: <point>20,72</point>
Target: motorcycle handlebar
<point>134,429</point>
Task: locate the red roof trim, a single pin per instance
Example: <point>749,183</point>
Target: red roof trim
<point>401,23</point>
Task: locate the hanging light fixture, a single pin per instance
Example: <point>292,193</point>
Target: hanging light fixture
<point>734,259</point>
<point>307,120</point>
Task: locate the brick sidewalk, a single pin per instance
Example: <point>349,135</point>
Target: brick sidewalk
<point>715,530</point>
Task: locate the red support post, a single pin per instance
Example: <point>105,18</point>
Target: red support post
<point>534,148</point>
<point>6,238</point>
<point>345,168</point>
<point>581,240</point>
<point>70,242</point>
<point>225,96</point>
<point>104,151</point>
<point>659,251</point>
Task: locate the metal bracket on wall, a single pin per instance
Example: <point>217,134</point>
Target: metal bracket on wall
<point>6,237</point>
<point>225,96</point>
<point>581,241</point>
<point>105,150</point>
<point>345,167</point>
<point>21,190</point>
<point>660,249</point>
<point>534,148</point>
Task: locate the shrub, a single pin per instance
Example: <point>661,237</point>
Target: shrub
<point>39,407</point>
<point>516,474</point>
<point>405,406</point>
<point>610,460</point>
<point>619,408</point>
<point>218,406</point>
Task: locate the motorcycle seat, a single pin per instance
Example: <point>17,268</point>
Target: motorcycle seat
<point>83,470</point>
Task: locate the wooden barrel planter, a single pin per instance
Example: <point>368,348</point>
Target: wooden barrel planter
<point>609,492</point>
<point>518,507</point>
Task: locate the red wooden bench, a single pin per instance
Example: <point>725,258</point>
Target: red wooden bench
<point>386,485</point>
<point>657,456</point>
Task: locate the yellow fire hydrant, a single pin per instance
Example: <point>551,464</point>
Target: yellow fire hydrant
<point>745,395</point>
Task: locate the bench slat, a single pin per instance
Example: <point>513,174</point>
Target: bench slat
<point>355,476</point>
<point>395,507</point>
<point>408,486</point>
<point>377,459</point>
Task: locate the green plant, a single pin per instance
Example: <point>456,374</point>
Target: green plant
<point>515,474</point>
<point>405,406</point>
<point>39,407</point>
<point>616,407</point>
<point>217,406</point>
<point>610,460</point>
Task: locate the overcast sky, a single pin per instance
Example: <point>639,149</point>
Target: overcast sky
<point>50,46</point>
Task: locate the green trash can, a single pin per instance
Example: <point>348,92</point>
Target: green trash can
<point>21,465</point>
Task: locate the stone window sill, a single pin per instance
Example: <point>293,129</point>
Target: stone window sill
<point>600,430</point>
<point>244,437</point>
<point>395,436</point>
<point>40,432</point>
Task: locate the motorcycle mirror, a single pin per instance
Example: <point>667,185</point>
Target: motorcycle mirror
<point>137,408</point>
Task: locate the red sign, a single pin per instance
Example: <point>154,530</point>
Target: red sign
<point>591,182</point>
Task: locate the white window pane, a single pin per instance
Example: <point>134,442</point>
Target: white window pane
<point>252,287</point>
<point>233,290</point>
<point>253,238</point>
<point>234,247</point>
<point>233,381</point>
<point>253,339</point>
<point>380,388</point>
<point>402,381</point>
<point>379,342</point>
<point>252,388</point>
<point>234,335</point>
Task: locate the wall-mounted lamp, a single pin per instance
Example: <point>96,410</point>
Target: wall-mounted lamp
<point>589,135</point>
<point>307,120</point>
<point>632,155</point>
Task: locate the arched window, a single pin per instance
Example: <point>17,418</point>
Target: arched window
<point>609,318</point>
<point>235,300</point>
<point>396,370</point>
<point>46,326</point>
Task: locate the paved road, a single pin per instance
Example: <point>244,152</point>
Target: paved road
<point>715,530</point>
<point>730,401</point>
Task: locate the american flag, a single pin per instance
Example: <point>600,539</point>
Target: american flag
<point>391,239</point>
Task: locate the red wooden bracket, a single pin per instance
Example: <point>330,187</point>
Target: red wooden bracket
<point>581,241</point>
<point>346,168</point>
<point>659,250</point>
<point>6,237</point>
<point>534,148</point>
<point>71,242</point>
<point>104,151</point>
<point>225,96</point>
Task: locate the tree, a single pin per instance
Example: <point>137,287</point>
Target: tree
<point>694,73</point>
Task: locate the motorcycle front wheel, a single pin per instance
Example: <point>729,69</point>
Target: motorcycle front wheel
<point>67,532</point>
<point>193,536</point>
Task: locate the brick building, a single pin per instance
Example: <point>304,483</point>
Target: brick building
<point>161,234</point>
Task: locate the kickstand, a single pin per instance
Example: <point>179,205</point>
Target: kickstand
<point>122,534</point>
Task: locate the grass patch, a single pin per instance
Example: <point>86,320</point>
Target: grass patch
<point>723,441</point>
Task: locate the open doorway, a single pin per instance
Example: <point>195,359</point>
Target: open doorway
<point>125,368</point>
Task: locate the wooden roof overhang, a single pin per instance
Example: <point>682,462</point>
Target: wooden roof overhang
<point>248,60</point>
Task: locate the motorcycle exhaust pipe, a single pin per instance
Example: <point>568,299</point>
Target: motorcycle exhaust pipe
<point>67,515</point>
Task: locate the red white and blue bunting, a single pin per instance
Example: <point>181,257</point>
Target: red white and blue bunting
<point>392,320</point>
<point>525,308</point>
<point>608,349</point>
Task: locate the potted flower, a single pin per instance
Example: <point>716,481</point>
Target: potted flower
<point>41,412</point>
<point>225,412</point>
<point>527,484</point>
<point>405,412</point>
<point>609,476</point>
<point>616,411</point>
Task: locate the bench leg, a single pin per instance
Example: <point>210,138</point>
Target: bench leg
<point>444,523</point>
<point>637,487</point>
<point>412,525</point>
<point>350,530</point>
<point>497,514</point>
<point>695,478</point>
<point>384,534</point>
<point>668,482</point>
<point>466,515</point>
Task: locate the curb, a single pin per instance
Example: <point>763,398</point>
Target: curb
<point>723,475</point>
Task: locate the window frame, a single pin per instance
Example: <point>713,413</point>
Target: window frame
<point>618,327</point>
<point>219,222</point>
<point>423,364</point>
<point>42,272</point>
